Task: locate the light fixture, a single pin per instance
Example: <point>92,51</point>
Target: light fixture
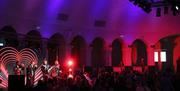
<point>177,7</point>
<point>1,44</point>
<point>70,63</point>
<point>147,6</point>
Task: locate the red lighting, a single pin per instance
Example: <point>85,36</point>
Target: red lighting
<point>70,70</point>
<point>70,63</point>
<point>70,76</point>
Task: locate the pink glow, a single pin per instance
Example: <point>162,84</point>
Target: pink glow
<point>10,54</point>
<point>176,52</point>
<point>70,70</point>
<point>38,75</point>
<point>158,48</point>
<point>70,63</point>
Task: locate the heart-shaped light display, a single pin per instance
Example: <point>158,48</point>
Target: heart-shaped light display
<point>11,55</point>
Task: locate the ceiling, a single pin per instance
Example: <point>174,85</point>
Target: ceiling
<point>120,18</point>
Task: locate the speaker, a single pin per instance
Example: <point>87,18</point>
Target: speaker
<point>16,82</point>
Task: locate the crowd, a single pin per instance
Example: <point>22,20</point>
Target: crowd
<point>128,80</point>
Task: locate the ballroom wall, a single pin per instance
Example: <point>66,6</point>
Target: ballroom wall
<point>124,22</point>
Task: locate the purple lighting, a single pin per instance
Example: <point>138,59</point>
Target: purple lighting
<point>50,16</point>
<point>99,7</point>
<point>45,33</point>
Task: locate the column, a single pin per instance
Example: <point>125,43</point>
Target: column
<point>68,51</point>
<point>126,50</point>
<point>108,56</point>
<point>88,57</point>
<point>150,55</point>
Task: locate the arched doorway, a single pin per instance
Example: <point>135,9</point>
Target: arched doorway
<point>139,53</point>
<point>98,52</point>
<point>56,48</point>
<point>10,36</point>
<point>167,45</point>
<point>117,53</point>
<point>78,51</point>
<point>33,40</point>
<point>176,52</point>
<point>170,45</point>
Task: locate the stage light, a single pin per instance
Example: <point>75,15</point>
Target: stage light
<point>1,44</point>
<point>156,56</point>
<point>70,70</point>
<point>158,12</point>
<point>70,62</point>
<point>177,7</point>
<point>163,56</point>
<point>70,76</point>
<point>147,7</point>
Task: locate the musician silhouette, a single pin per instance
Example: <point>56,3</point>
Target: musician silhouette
<point>56,69</point>
<point>18,69</point>
<point>45,68</point>
<point>31,73</point>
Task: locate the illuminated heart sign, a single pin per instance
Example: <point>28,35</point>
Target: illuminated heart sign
<point>11,55</point>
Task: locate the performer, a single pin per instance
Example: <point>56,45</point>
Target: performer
<point>56,69</point>
<point>45,69</point>
<point>31,73</point>
<point>18,69</point>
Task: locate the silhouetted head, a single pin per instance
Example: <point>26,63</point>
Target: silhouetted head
<point>56,62</point>
<point>17,63</point>
<point>45,62</point>
<point>32,63</point>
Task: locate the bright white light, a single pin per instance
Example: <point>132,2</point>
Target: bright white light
<point>156,56</point>
<point>70,69</point>
<point>70,62</point>
<point>163,56</point>
<point>177,8</point>
<point>1,44</point>
<point>70,76</point>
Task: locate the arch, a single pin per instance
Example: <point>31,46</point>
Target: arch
<point>139,53</point>
<point>169,44</point>
<point>56,48</point>
<point>117,58</point>
<point>176,52</point>
<point>9,34</point>
<point>33,39</point>
<point>157,47</point>
<point>78,50</point>
<point>98,52</point>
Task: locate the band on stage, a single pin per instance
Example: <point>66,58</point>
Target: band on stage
<point>48,72</point>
